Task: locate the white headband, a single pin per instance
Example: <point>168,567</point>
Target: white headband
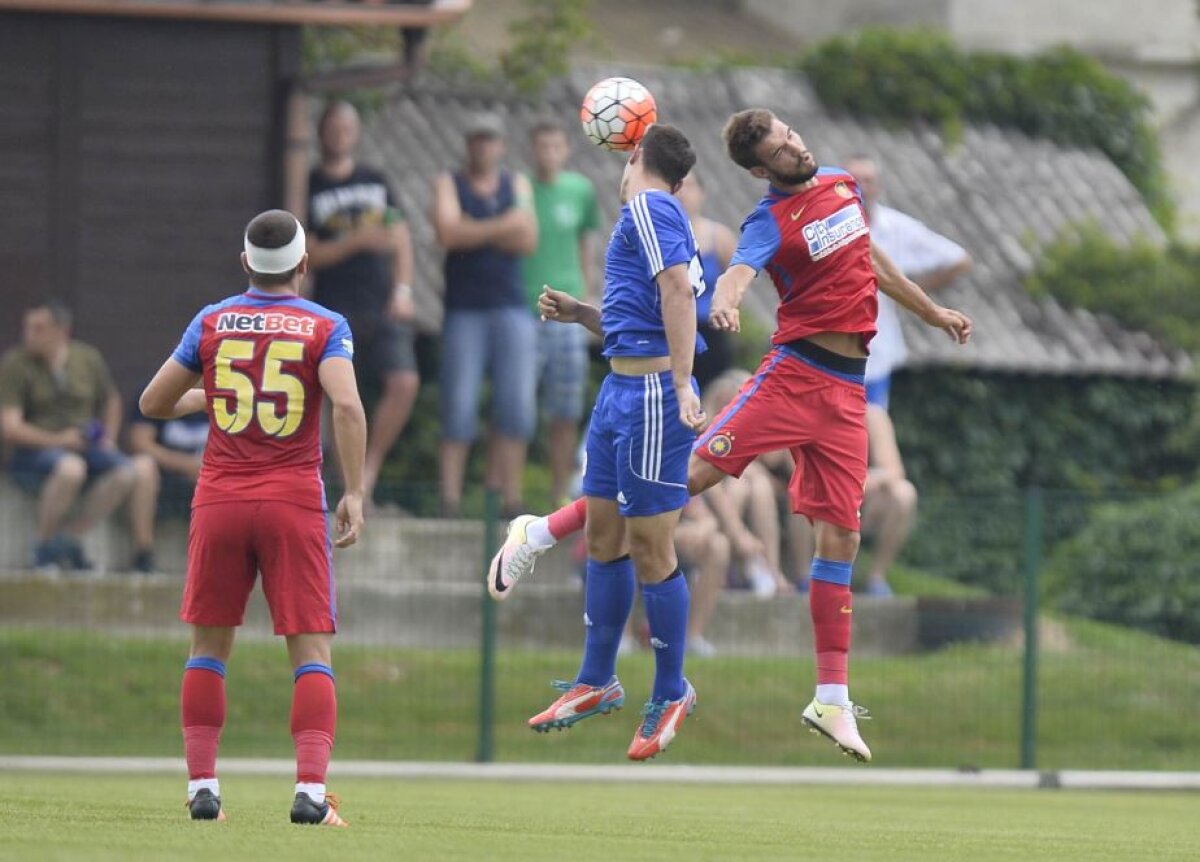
<point>272,261</point>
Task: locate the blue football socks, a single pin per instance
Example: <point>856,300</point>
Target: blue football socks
<point>607,603</point>
<point>667,612</point>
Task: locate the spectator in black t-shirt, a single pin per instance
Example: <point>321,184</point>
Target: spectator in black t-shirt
<point>361,251</point>
<point>176,446</point>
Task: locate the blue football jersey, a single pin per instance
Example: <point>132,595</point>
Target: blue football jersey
<point>652,234</point>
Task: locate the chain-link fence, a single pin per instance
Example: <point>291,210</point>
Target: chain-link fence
<point>958,668</point>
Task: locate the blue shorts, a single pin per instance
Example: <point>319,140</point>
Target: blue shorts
<point>499,345</point>
<point>30,467</point>
<point>879,391</point>
<point>637,449</point>
<point>562,369</point>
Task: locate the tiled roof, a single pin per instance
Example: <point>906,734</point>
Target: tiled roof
<point>998,193</point>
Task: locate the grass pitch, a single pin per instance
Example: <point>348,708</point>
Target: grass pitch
<point>90,817</point>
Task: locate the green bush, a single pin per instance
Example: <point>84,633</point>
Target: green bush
<point>1060,94</point>
<point>972,442</point>
<point>1137,564</point>
<point>1142,285</point>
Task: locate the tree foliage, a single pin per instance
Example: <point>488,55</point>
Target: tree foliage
<point>1143,285</point>
<point>1059,94</point>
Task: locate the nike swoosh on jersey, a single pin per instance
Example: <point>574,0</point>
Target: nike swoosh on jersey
<point>796,214</point>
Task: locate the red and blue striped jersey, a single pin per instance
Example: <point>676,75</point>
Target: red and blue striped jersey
<point>816,246</point>
<point>259,354</point>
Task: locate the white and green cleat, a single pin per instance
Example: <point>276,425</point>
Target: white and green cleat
<point>515,559</point>
<point>839,723</point>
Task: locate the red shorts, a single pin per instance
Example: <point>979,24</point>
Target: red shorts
<point>817,415</point>
<point>229,543</point>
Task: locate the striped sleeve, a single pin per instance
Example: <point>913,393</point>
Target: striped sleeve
<point>662,230</point>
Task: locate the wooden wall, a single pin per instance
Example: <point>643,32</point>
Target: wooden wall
<point>132,153</point>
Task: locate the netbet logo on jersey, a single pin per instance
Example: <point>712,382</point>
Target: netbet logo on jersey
<point>827,235</point>
<point>271,321</point>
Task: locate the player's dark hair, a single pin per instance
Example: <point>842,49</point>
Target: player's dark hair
<point>546,126</point>
<point>668,154</point>
<point>272,229</point>
<point>60,313</point>
<point>743,133</point>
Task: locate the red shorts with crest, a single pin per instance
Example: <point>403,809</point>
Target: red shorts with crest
<point>817,414</point>
<point>229,543</point>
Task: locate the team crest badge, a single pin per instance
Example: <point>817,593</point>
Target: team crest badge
<point>720,445</point>
<point>843,190</point>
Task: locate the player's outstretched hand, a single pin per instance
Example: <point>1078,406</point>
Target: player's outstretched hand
<point>956,324</point>
<point>349,520</point>
<point>556,305</point>
<point>691,413</point>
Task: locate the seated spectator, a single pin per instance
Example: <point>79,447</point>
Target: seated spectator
<point>176,449</point>
<point>703,552</point>
<point>746,508</point>
<point>60,413</point>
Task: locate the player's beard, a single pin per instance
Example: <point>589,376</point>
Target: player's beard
<point>798,177</point>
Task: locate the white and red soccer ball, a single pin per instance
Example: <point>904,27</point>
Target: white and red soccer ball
<point>616,113</point>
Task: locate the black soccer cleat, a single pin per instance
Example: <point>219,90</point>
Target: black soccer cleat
<point>307,812</point>
<point>205,805</point>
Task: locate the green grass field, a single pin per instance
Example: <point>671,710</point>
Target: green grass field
<point>134,817</point>
<point>1109,699</point>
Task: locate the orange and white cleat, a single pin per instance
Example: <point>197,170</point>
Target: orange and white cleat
<point>661,720</point>
<point>306,811</point>
<point>839,723</point>
<point>205,805</point>
<point>579,701</point>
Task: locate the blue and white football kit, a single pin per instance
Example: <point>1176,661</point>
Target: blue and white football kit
<point>637,447</point>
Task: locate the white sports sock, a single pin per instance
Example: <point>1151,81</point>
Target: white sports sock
<point>834,694</point>
<point>538,533</point>
<point>316,792</point>
<point>199,784</point>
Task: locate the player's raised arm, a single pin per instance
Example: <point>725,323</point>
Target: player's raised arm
<point>350,435</point>
<point>759,240</point>
<point>564,308</point>
<point>679,321</point>
<point>731,287</point>
<point>908,294</point>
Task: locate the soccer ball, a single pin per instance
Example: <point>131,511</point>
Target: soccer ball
<point>616,113</point>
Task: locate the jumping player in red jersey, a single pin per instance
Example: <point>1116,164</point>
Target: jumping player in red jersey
<point>265,358</point>
<point>810,233</point>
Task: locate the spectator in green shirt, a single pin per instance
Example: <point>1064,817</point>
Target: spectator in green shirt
<point>60,413</point>
<point>565,203</point>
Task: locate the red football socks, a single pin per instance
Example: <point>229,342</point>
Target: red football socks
<point>569,519</point>
<point>314,720</point>
<point>202,709</point>
<point>832,610</point>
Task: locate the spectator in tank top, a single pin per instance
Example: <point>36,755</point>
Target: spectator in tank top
<point>483,217</point>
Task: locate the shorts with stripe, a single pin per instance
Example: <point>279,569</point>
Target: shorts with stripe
<point>637,447</point>
<point>815,413</point>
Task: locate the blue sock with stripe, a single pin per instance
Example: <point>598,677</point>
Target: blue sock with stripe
<point>607,602</point>
<point>667,612</point>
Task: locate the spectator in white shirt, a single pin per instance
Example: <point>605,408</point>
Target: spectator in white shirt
<point>933,261</point>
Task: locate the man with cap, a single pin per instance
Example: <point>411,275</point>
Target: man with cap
<point>260,363</point>
<point>484,219</point>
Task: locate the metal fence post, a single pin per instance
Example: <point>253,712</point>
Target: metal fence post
<point>487,639</point>
<point>1034,518</point>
